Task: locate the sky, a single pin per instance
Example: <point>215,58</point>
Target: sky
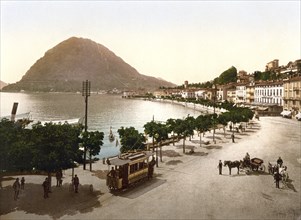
<point>173,40</point>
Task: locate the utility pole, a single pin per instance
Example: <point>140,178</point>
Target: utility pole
<point>86,92</point>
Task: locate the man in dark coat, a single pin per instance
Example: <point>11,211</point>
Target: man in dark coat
<point>232,136</point>
<point>220,167</point>
<point>280,161</point>
<point>75,183</point>
<point>151,168</point>
<point>16,187</point>
<point>277,177</point>
<point>46,188</point>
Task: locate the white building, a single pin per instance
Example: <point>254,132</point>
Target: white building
<point>186,94</point>
<point>269,93</point>
<point>241,93</point>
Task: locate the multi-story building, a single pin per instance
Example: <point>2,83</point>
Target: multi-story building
<point>250,90</point>
<point>188,93</point>
<point>269,93</point>
<point>292,95</point>
<point>241,93</point>
<point>272,65</point>
<point>231,95</point>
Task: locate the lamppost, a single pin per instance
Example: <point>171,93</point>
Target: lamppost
<point>86,92</point>
<point>214,97</point>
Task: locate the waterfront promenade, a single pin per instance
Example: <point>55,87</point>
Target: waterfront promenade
<point>186,186</point>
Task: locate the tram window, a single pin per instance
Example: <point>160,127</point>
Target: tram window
<point>141,165</point>
<point>133,168</point>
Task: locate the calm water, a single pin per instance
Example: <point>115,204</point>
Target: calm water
<point>104,111</point>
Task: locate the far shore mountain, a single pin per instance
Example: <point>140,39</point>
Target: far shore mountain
<point>2,84</point>
<point>64,68</point>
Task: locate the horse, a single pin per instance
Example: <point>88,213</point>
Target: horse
<point>232,164</point>
<point>272,168</point>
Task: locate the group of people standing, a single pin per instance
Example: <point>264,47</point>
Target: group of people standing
<point>17,185</point>
<point>20,185</point>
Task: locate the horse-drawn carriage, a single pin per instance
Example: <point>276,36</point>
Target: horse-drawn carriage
<point>254,164</point>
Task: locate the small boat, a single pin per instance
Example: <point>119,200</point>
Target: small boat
<point>111,135</point>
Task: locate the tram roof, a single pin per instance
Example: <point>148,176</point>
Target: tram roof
<point>129,157</point>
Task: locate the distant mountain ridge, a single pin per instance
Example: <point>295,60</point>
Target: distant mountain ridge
<point>65,66</point>
<point>2,84</point>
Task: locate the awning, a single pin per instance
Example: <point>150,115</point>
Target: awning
<point>262,108</point>
<point>286,113</point>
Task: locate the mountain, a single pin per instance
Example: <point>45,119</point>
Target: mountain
<point>2,84</point>
<point>67,65</point>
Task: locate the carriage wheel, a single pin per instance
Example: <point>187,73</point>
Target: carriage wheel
<point>262,168</point>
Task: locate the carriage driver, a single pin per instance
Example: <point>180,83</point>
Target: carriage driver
<point>247,158</point>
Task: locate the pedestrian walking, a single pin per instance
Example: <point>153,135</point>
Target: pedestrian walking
<point>16,187</point>
<point>220,167</point>
<point>76,183</point>
<point>58,176</point>
<point>22,183</point>
<point>151,166</point>
<point>232,136</point>
<point>46,188</point>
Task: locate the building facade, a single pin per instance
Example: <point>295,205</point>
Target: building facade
<point>241,93</point>
<point>269,93</point>
<point>292,95</point>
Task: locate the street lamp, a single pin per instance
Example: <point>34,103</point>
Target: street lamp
<point>86,92</point>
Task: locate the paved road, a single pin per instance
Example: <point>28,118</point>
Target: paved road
<point>189,187</point>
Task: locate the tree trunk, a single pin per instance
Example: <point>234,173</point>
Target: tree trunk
<point>49,181</point>
<point>201,140</point>
<point>161,153</point>
<point>157,161</point>
<point>173,140</point>
<point>90,157</point>
<point>184,145</point>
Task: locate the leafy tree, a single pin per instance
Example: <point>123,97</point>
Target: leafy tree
<point>55,146</point>
<point>230,75</point>
<point>184,128</point>
<point>202,124</point>
<point>223,119</point>
<point>92,141</point>
<point>170,125</point>
<point>150,128</point>
<point>15,152</point>
<point>131,139</point>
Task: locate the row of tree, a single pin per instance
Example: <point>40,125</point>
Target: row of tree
<point>131,139</point>
<point>52,147</point>
<point>48,147</point>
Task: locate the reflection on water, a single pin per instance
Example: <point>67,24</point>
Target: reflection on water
<point>104,111</point>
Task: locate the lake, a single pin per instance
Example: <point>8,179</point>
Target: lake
<point>104,111</point>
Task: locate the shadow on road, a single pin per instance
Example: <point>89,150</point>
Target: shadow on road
<point>213,147</point>
<point>140,188</point>
<point>289,185</point>
<point>170,153</point>
<point>174,162</point>
<point>60,202</point>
